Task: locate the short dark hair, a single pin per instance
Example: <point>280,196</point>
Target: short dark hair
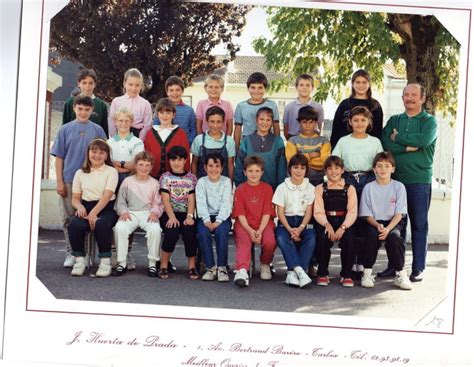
<point>174,80</point>
<point>215,110</point>
<point>254,159</point>
<point>215,156</point>
<point>298,160</point>
<point>383,156</point>
<point>257,78</point>
<point>177,152</point>
<point>333,160</point>
<point>307,113</point>
<point>165,104</point>
<point>83,100</point>
<point>84,73</point>
<point>144,156</point>
<point>304,77</point>
<point>361,110</point>
<point>264,110</point>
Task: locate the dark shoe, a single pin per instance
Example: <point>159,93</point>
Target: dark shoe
<point>193,274</point>
<point>171,267</point>
<point>163,273</point>
<point>119,270</point>
<point>152,272</point>
<point>389,272</point>
<point>416,276</point>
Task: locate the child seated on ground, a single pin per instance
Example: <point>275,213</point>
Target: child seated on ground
<point>214,206</point>
<point>139,205</point>
<point>177,188</point>
<point>335,211</point>
<point>213,140</point>
<point>93,195</point>
<point>384,206</point>
<point>314,147</point>
<point>254,215</point>
<point>268,146</point>
<point>295,237</point>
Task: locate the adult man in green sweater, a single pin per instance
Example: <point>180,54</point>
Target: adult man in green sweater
<point>411,137</point>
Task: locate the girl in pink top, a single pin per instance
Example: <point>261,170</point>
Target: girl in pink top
<point>141,108</point>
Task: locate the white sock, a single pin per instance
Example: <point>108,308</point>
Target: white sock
<point>151,263</point>
<point>123,264</point>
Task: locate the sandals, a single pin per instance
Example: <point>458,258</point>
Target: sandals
<point>119,270</point>
<point>193,274</point>
<point>163,273</point>
<point>152,272</point>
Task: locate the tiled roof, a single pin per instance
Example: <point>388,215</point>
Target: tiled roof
<point>241,67</point>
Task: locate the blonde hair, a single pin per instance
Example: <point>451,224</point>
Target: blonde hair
<point>214,77</point>
<point>124,111</point>
<point>134,73</point>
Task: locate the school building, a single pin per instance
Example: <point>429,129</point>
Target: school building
<point>62,80</point>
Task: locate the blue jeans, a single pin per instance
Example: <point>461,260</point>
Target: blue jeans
<point>418,199</point>
<point>296,253</point>
<point>221,234</point>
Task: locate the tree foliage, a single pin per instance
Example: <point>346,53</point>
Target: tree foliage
<point>160,38</point>
<point>332,43</point>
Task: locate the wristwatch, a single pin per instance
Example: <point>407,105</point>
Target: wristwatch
<point>122,164</point>
<point>343,227</point>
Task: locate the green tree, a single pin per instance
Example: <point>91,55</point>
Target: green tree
<point>160,38</point>
<point>330,43</point>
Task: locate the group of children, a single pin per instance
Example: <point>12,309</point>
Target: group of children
<point>143,176</point>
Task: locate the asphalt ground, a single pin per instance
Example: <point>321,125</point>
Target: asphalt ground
<point>384,300</point>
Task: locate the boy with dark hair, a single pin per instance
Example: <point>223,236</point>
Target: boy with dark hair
<point>304,87</point>
<point>253,213</point>
<point>185,117</point>
<point>69,148</point>
<point>214,206</point>
<point>314,147</point>
<point>384,206</point>
<point>213,140</point>
<point>246,111</point>
<point>86,82</point>
<point>335,211</point>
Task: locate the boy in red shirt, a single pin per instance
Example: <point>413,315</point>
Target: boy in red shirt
<point>254,213</point>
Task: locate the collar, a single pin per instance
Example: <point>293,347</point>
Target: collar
<point>219,139</point>
<point>291,186</point>
<point>130,97</point>
<point>160,128</point>
<point>101,168</point>
<point>127,138</point>
<point>297,101</point>
<point>337,185</point>
<point>178,174</point>
<point>315,135</point>
<point>417,116</point>
<point>215,103</point>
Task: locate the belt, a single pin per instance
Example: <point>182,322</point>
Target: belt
<point>358,174</point>
<point>333,213</point>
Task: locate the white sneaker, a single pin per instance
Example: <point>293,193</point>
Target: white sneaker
<point>402,281</point>
<point>210,274</point>
<point>265,272</point>
<point>78,269</point>
<point>292,279</point>
<point>131,264</point>
<point>303,278</point>
<point>241,278</point>
<point>367,280</point>
<point>222,275</point>
<point>69,261</point>
<point>104,270</point>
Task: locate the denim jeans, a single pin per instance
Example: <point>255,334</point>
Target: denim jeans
<point>296,253</point>
<point>221,234</point>
<point>418,199</point>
